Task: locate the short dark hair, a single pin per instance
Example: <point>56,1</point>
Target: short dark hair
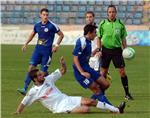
<point>89,28</point>
<point>112,6</point>
<point>90,12</point>
<point>33,74</point>
<point>44,9</point>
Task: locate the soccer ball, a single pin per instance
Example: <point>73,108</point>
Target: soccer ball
<point>128,53</point>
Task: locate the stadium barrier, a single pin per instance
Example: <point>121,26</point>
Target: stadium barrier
<point>17,36</point>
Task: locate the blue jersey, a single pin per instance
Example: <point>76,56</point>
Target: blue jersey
<point>46,33</point>
<point>83,50</point>
<point>43,50</point>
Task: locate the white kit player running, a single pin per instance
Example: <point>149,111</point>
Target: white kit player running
<point>45,91</point>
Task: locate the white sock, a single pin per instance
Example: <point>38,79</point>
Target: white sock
<point>105,106</point>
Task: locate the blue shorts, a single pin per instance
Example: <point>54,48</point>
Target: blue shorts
<point>42,57</point>
<point>86,82</point>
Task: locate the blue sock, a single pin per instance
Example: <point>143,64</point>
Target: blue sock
<point>101,97</point>
<point>94,97</point>
<point>27,82</point>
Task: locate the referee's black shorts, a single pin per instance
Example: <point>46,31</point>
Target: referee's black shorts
<point>112,54</point>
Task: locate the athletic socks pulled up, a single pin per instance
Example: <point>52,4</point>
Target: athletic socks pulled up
<point>105,106</point>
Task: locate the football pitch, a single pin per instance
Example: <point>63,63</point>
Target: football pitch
<point>14,65</point>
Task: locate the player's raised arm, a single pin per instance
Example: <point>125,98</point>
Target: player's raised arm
<point>28,41</point>
<point>63,67</point>
<point>57,74</point>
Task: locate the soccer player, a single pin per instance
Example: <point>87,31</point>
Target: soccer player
<point>42,54</point>
<point>45,91</point>
<point>112,35</point>
<point>84,74</point>
<point>94,61</point>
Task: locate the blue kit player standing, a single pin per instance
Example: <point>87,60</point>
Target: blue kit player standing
<point>84,74</point>
<point>42,54</point>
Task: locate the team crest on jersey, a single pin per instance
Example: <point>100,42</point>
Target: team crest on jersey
<point>46,30</point>
<point>117,30</point>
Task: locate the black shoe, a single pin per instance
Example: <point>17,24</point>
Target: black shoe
<point>121,107</point>
<point>128,97</point>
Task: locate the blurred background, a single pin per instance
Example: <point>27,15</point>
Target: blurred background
<point>19,16</point>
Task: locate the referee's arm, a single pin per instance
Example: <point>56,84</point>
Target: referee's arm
<point>99,36</point>
<point>124,44</point>
<point>123,35</point>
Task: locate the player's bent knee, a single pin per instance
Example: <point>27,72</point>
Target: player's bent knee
<point>122,72</point>
<point>104,72</point>
<point>107,85</point>
<point>94,87</point>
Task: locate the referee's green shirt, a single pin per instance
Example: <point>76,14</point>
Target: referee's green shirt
<point>111,33</point>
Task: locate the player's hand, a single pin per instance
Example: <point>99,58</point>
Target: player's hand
<point>86,74</point>
<point>24,47</point>
<point>63,68</point>
<point>16,113</point>
<point>98,54</point>
<point>62,61</point>
<point>55,48</point>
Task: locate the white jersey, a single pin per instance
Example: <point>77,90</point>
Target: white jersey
<point>48,94</point>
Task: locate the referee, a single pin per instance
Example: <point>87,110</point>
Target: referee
<point>112,35</point>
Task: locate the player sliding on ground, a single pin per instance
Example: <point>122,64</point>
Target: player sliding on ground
<point>45,91</point>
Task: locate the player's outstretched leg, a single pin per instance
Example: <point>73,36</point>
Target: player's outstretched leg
<point>103,105</point>
<point>103,85</point>
<point>27,81</point>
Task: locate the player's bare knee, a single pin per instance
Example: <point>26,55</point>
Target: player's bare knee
<point>104,72</point>
<point>122,72</point>
<point>97,90</point>
<point>107,85</point>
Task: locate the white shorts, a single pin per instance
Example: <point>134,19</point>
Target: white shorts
<point>68,104</point>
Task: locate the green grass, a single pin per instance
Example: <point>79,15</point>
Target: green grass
<point>15,63</point>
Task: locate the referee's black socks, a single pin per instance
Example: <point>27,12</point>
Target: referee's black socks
<point>124,81</point>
